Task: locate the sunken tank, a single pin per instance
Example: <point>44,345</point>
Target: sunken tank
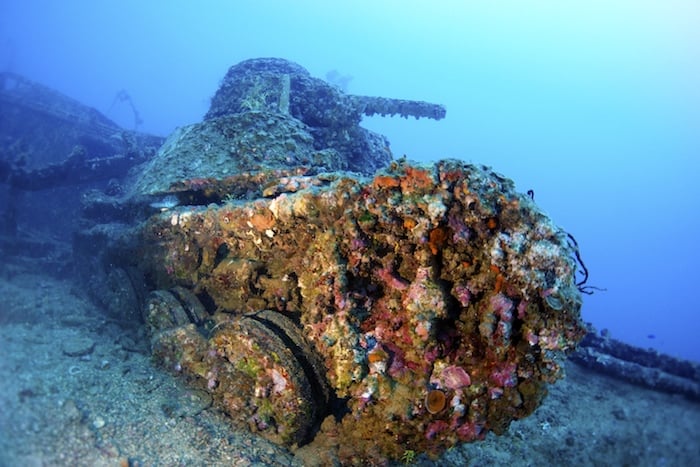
<point>271,114</point>
<point>328,297</point>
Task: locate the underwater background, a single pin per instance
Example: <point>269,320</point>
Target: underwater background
<point>125,323</point>
<point>595,106</point>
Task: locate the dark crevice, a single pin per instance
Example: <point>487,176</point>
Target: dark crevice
<point>221,254</point>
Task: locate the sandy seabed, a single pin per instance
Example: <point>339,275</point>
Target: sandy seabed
<point>78,389</point>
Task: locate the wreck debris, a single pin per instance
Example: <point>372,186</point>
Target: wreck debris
<point>74,170</point>
<point>643,367</point>
<point>54,140</point>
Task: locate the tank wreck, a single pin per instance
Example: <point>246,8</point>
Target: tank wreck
<point>324,294</point>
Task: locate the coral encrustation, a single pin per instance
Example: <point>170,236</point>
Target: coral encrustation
<point>422,279</point>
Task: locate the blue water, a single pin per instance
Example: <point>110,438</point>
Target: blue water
<point>593,105</point>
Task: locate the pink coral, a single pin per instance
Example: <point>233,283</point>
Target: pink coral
<point>522,306</point>
<point>470,432</point>
<point>504,375</point>
<point>392,281</point>
<point>435,428</point>
<point>454,377</point>
<point>463,295</point>
<point>502,306</point>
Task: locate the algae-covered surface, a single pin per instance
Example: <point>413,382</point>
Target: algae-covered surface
<point>436,302</point>
<point>79,389</point>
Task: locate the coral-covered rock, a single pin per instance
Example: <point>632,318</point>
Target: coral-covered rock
<point>422,279</point>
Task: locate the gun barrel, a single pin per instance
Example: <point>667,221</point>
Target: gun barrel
<point>369,105</point>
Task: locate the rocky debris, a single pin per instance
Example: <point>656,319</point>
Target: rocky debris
<point>78,346</point>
